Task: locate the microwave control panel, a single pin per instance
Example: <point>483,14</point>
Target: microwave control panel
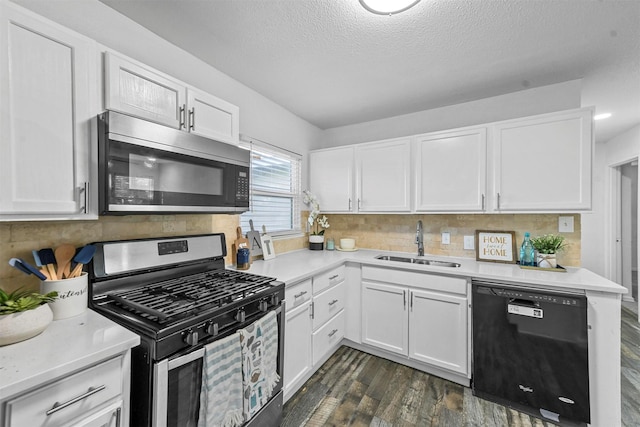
<point>242,185</point>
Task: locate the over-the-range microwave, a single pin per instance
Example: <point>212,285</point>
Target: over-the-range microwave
<point>147,168</point>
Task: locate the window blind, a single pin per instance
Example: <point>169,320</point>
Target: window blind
<point>275,190</point>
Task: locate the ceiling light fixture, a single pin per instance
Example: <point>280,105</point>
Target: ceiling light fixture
<point>601,116</point>
<point>388,7</point>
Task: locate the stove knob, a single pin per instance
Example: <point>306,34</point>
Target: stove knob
<point>191,338</point>
<point>275,300</point>
<point>263,305</point>
<point>240,316</point>
<point>212,329</point>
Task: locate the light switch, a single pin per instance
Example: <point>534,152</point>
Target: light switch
<point>469,243</point>
<point>565,224</point>
<point>446,238</point>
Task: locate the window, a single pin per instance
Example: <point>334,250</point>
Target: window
<point>275,190</point>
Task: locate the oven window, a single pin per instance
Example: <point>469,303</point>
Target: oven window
<point>184,394</point>
<point>142,176</point>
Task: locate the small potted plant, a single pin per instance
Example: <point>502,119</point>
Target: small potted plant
<point>547,246</point>
<point>24,314</point>
<point>317,223</point>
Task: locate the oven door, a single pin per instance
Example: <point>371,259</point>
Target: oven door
<point>177,384</point>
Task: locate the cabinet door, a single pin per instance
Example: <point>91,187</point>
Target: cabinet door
<point>212,117</point>
<point>384,176</point>
<point>135,89</point>
<point>544,163</point>
<point>451,171</point>
<point>49,89</point>
<point>385,317</point>
<point>438,330</point>
<point>331,179</point>
<point>297,347</point>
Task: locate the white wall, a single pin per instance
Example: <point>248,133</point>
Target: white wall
<point>597,238</point>
<point>546,99</point>
<point>260,117</point>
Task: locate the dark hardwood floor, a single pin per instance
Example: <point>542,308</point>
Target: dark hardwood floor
<point>357,389</point>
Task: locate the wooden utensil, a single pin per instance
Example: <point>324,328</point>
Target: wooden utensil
<point>64,254</point>
<point>255,246</point>
<point>83,257</point>
<point>48,260</point>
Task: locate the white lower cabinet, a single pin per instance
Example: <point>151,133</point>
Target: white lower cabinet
<point>438,329</point>
<point>384,317</point>
<point>422,316</point>
<point>78,400</point>
<point>298,360</point>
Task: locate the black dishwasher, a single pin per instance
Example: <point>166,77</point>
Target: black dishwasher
<point>530,350</point>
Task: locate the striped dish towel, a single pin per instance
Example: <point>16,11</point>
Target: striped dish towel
<point>221,400</point>
<point>259,343</point>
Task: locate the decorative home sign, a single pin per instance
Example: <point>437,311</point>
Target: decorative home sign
<point>496,246</point>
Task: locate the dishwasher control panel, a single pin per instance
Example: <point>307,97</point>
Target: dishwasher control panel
<point>524,294</point>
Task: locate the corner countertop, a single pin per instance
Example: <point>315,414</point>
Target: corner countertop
<point>291,267</point>
<point>66,346</point>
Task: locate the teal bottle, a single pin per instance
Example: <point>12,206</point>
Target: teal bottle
<point>527,252</point>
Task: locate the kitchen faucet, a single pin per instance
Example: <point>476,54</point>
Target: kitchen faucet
<point>420,238</point>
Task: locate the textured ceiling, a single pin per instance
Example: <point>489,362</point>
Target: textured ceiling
<point>333,63</point>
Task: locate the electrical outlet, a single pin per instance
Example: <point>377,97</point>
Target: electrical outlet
<point>446,238</point>
<point>565,224</point>
<point>469,242</point>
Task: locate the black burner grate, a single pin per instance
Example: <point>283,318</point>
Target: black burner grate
<point>173,298</point>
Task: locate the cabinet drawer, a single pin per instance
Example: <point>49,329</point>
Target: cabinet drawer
<point>327,337</point>
<point>328,279</point>
<point>454,285</point>
<point>67,398</point>
<point>297,294</point>
<point>327,304</point>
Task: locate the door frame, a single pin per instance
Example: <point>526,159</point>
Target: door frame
<point>613,244</point>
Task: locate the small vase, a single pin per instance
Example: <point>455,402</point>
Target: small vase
<point>547,260</point>
<point>316,242</point>
<point>21,326</point>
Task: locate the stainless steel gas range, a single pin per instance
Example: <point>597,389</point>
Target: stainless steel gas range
<point>177,295</point>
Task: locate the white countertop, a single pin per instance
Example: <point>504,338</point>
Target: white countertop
<point>67,345</point>
<point>291,267</point>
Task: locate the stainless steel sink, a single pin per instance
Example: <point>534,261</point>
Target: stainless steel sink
<point>418,261</point>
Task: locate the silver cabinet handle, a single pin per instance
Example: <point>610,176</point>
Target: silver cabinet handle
<point>118,417</point>
<point>498,202</point>
<point>300,294</point>
<point>404,297</point>
<point>349,204</point>
<point>482,201</point>
<point>332,333</point>
<point>58,406</point>
<point>84,190</point>
<point>182,121</point>
<point>333,277</point>
<point>333,302</point>
<point>192,118</point>
<point>312,313</point>
<point>410,301</point>
<point>358,203</point>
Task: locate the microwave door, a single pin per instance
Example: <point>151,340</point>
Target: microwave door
<point>141,179</point>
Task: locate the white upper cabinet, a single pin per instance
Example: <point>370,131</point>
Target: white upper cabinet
<point>543,163</point>
<point>451,171</point>
<point>141,91</point>
<point>331,177</point>
<point>136,89</point>
<point>371,177</point>
<point>49,89</point>
<point>383,174</point>
<point>212,117</point>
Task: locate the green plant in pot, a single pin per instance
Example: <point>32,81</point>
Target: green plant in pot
<point>547,246</point>
<point>24,314</point>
